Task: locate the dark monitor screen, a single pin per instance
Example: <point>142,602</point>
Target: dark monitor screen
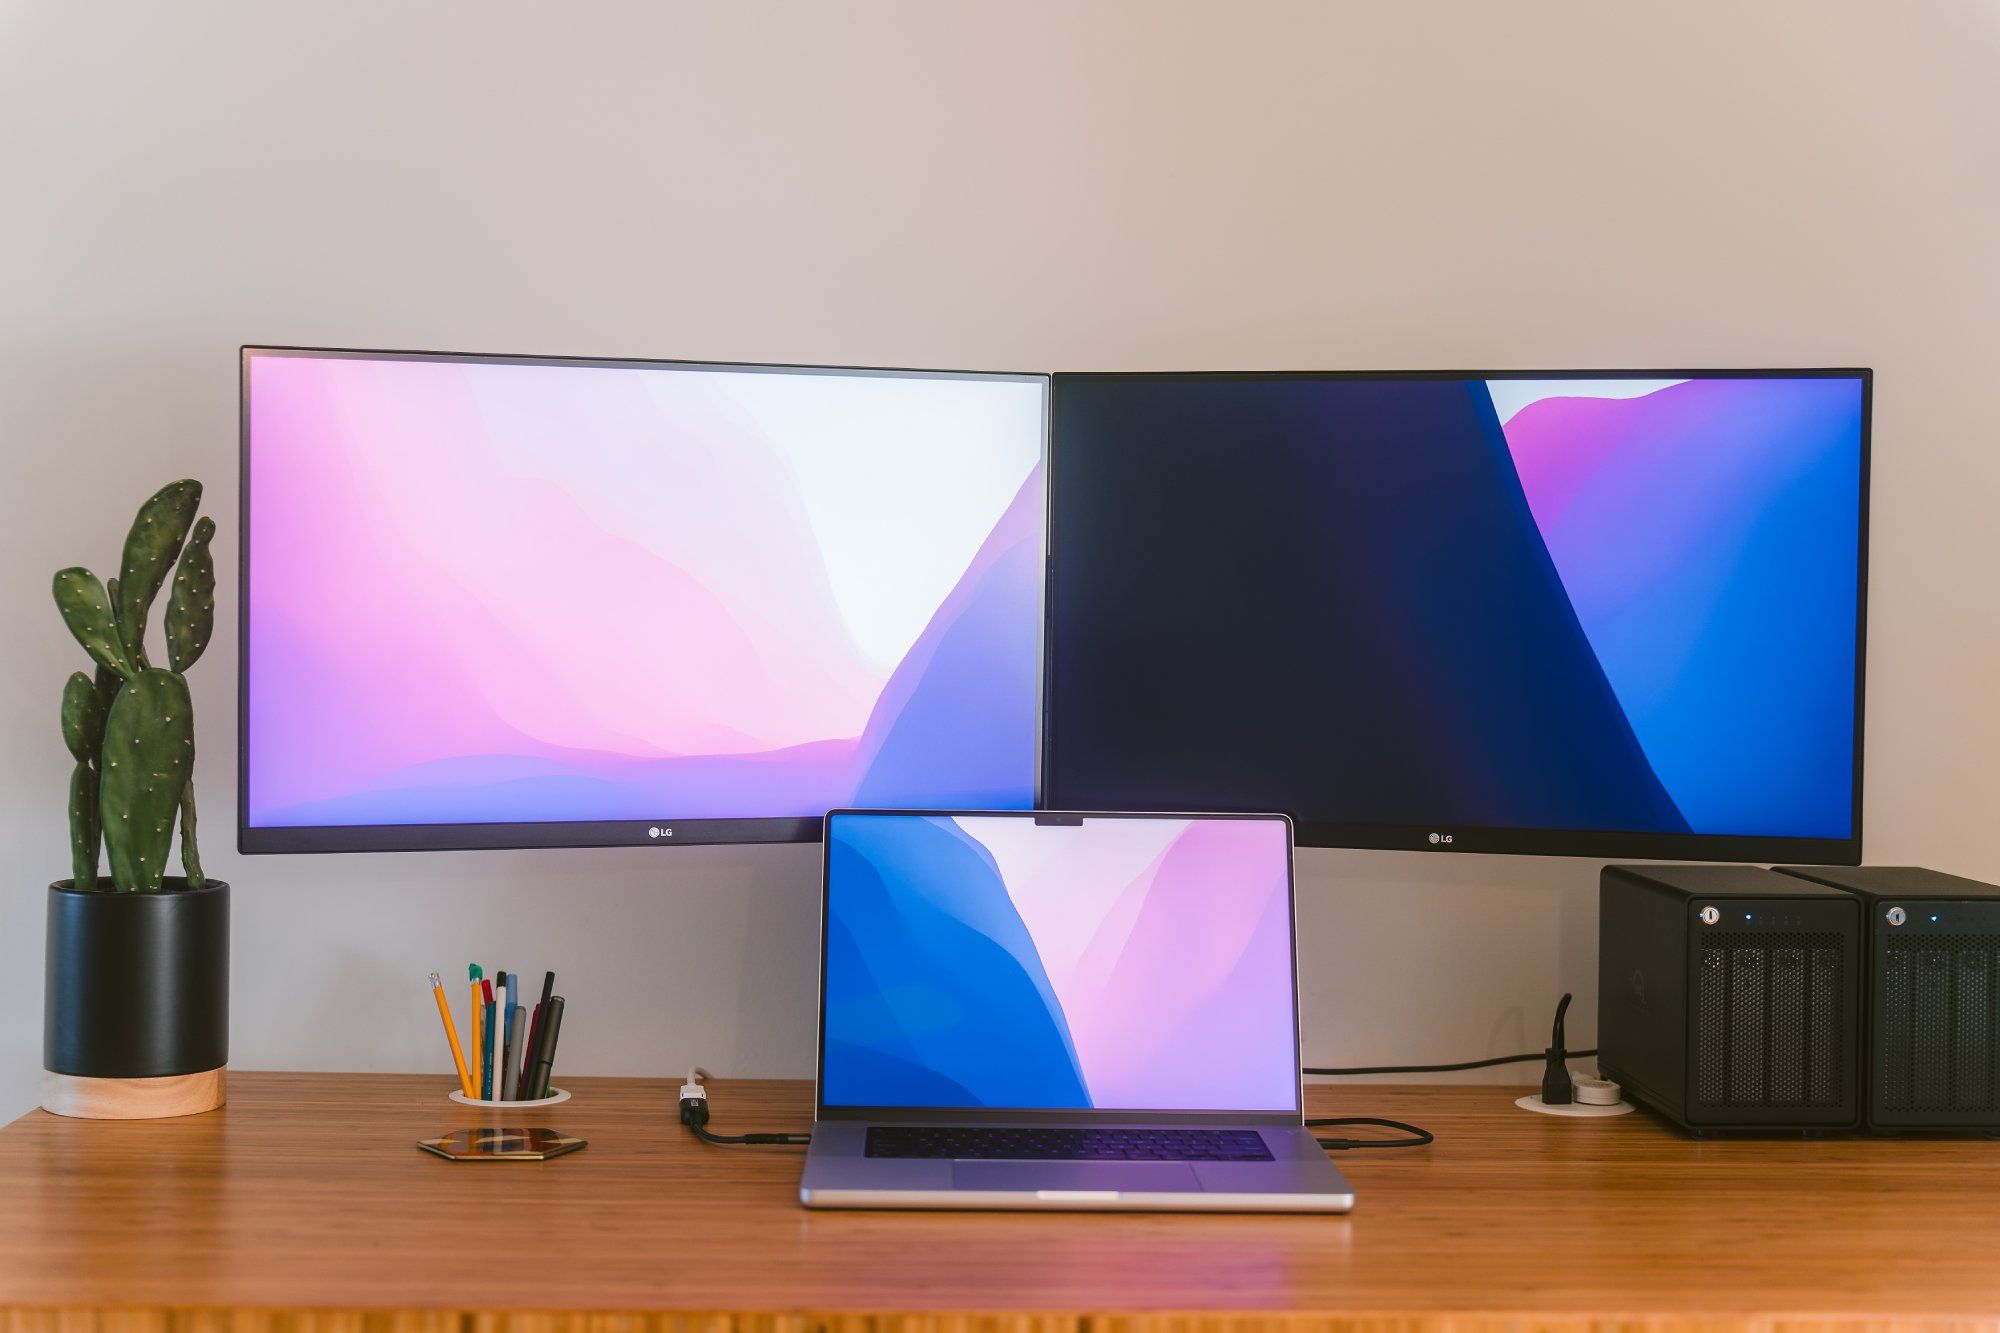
<point>508,601</point>
<point>1596,613</point>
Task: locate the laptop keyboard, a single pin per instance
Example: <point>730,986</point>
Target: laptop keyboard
<point>1053,1144</point>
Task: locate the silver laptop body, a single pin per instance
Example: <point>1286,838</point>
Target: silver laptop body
<point>1043,1010</point>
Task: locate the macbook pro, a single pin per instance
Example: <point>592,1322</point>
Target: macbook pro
<point>1049,1010</point>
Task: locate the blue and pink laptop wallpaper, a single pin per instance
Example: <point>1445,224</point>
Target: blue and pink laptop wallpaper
<point>1508,603</point>
<point>1122,963</point>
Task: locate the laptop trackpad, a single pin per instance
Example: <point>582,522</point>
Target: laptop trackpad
<point>1126,1177</point>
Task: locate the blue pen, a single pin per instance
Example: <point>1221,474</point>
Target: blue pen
<point>509,1040</point>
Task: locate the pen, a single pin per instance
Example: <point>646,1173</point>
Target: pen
<point>529,1046</point>
<point>510,1042</point>
<point>486,1020</point>
<point>545,1058</point>
<point>510,1080</point>
<point>477,1020</point>
<point>451,1035</point>
<point>502,999</point>
<point>535,1035</point>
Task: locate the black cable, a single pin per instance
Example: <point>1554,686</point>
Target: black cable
<point>728,1140</point>
<point>694,1097</point>
<point>1419,1137</point>
<point>1444,1069</point>
<point>1555,1080</point>
<point>694,1114</point>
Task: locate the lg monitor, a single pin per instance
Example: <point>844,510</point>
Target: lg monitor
<point>1596,613</point>
<point>525,601</point>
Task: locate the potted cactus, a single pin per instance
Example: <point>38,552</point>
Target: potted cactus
<point>136,1014</point>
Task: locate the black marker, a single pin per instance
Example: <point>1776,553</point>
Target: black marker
<point>545,1056</point>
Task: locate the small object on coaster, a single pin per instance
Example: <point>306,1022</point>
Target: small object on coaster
<point>501,1145</point>
<point>1597,1092</point>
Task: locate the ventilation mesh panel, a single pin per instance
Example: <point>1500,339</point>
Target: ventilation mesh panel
<point>1767,1019</point>
<point>1939,1025</point>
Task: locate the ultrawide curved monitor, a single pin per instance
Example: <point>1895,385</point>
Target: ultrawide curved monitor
<point>526,602</point>
<point>1594,613</point>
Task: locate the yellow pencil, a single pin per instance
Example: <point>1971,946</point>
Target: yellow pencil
<point>478,1036</point>
<point>451,1033</point>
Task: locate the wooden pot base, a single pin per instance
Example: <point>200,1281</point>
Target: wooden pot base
<point>134,1098</point>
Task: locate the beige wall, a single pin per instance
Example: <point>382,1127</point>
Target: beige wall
<point>1018,185</point>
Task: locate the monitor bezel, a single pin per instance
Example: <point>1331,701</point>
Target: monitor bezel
<point>526,836</point>
<point>1455,838</point>
<point>1056,1115</point>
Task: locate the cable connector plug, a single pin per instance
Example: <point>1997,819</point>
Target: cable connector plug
<point>694,1114</point>
<point>694,1103</point>
<point>1557,1088</point>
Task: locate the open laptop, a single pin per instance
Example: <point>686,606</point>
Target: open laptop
<point>1050,1010</point>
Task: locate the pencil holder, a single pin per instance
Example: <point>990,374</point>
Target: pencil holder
<point>555,1098</point>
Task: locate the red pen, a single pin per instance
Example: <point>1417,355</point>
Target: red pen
<point>486,1060</point>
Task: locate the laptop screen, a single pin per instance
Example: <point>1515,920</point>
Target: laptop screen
<point>1136,963</point>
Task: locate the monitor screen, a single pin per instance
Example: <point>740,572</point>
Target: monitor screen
<point>533,602</point>
<point>1611,614</point>
<point>1136,963</point>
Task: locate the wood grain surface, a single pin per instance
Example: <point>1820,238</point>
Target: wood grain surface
<point>134,1098</point>
<point>304,1204</point>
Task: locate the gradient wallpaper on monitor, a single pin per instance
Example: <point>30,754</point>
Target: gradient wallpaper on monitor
<point>1119,964</point>
<point>1596,604</point>
<point>494,592</point>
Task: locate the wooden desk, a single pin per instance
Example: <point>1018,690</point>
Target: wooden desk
<point>304,1205</point>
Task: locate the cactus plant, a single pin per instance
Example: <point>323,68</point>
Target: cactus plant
<point>130,726</point>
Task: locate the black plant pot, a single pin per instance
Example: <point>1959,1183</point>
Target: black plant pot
<point>135,1018</point>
